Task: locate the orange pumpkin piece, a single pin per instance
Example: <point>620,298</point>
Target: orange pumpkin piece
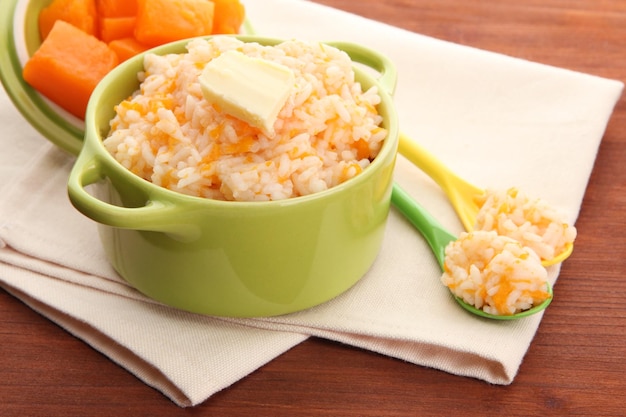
<point>68,65</point>
<point>228,17</point>
<point>163,21</point>
<point>126,48</point>
<point>112,28</point>
<point>80,13</point>
<point>116,8</point>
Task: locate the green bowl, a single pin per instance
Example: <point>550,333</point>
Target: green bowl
<point>19,37</point>
<point>238,259</point>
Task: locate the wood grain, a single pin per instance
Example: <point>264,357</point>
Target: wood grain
<point>575,365</point>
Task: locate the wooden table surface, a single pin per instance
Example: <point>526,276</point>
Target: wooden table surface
<point>576,363</point>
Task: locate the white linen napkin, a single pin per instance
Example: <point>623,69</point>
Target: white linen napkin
<point>496,120</point>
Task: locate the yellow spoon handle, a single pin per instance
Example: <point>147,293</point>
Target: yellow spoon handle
<point>460,193</point>
<point>424,160</point>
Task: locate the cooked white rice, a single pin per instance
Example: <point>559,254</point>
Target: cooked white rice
<point>533,222</point>
<point>328,131</point>
<point>494,273</point>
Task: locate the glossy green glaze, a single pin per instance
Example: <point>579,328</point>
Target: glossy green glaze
<point>234,258</point>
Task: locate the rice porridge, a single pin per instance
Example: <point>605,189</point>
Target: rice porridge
<point>327,132</point>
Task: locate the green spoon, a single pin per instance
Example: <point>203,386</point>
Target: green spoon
<point>462,194</point>
<point>438,238</point>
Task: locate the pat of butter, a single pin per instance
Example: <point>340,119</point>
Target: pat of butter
<point>251,89</point>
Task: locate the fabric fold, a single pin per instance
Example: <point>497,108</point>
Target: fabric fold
<point>187,357</point>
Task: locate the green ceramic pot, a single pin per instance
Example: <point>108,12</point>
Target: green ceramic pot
<point>234,258</point>
<point>210,257</point>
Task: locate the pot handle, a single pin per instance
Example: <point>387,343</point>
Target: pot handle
<point>387,73</point>
<point>154,216</point>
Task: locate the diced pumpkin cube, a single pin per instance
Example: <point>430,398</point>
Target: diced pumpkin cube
<point>228,17</point>
<point>112,28</point>
<point>163,21</point>
<point>68,65</point>
<point>79,13</point>
<point>126,48</point>
<point>116,8</point>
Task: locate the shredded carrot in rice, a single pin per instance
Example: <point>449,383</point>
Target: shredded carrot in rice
<point>328,131</point>
<point>530,221</point>
<point>494,273</point>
